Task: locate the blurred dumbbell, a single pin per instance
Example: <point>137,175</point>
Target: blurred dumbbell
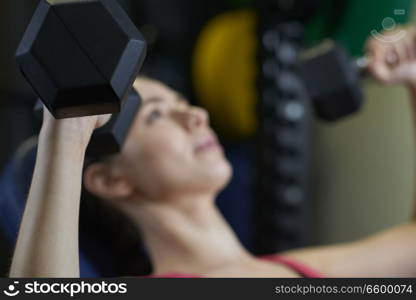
<point>81,58</point>
<point>332,80</point>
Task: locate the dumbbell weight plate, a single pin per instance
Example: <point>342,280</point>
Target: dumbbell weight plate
<point>110,138</point>
<point>332,81</point>
<point>81,57</point>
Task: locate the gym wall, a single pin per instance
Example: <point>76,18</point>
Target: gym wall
<point>363,173</point>
<point>15,94</point>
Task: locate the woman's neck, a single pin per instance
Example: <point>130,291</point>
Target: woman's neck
<point>190,238</point>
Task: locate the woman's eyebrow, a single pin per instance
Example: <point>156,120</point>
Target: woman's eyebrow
<point>150,100</point>
<point>156,99</point>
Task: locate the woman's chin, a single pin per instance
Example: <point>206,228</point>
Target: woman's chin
<point>220,174</point>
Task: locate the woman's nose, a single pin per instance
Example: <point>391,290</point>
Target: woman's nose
<point>195,117</point>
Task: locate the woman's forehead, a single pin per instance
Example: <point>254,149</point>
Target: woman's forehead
<point>148,88</point>
<point>155,91</point>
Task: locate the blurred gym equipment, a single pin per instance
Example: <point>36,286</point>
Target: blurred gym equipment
<point>332,79</point>
<point>283,139</point>
<point>224,72</point>
<point>261,97</point>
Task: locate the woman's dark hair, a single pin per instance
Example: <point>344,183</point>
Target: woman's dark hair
<point>109,239</point>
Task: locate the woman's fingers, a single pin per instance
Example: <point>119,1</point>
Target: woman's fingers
<point>381,58</point>
<point>391,62</point>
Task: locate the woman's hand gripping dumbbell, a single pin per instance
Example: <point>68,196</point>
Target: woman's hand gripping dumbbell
<point>393,62</point>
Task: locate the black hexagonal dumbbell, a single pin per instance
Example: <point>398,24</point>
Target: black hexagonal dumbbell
<point>81,58</point>
<point>332,80</point>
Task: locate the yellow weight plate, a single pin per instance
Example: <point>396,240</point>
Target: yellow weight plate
<point>224,72</point>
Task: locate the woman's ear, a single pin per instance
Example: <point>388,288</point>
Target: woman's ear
<point>106,182</point>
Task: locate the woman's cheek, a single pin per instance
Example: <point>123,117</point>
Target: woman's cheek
<point>162,158</point>
<point>172,144</point>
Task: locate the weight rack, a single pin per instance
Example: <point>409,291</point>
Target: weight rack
<point>284,113</point>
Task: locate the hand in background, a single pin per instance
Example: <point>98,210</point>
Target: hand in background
<point>393,62</point>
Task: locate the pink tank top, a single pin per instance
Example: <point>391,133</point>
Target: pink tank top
<point>295,266</point>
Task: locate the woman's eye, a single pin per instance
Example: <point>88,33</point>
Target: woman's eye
<point>153,115</point>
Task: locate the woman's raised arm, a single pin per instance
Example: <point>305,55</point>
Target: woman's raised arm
<point>47,244</point>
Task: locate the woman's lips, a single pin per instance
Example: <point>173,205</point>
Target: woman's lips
<point>207,143</point>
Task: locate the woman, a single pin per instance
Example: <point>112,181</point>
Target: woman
<point>166,179</point>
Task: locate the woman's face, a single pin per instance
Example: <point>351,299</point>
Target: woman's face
<point>171,149</point>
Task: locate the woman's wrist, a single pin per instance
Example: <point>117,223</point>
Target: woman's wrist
<point>411,84</point>
<point>70,133</point>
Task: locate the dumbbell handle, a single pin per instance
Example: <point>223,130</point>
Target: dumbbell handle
<point>361,64</point>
